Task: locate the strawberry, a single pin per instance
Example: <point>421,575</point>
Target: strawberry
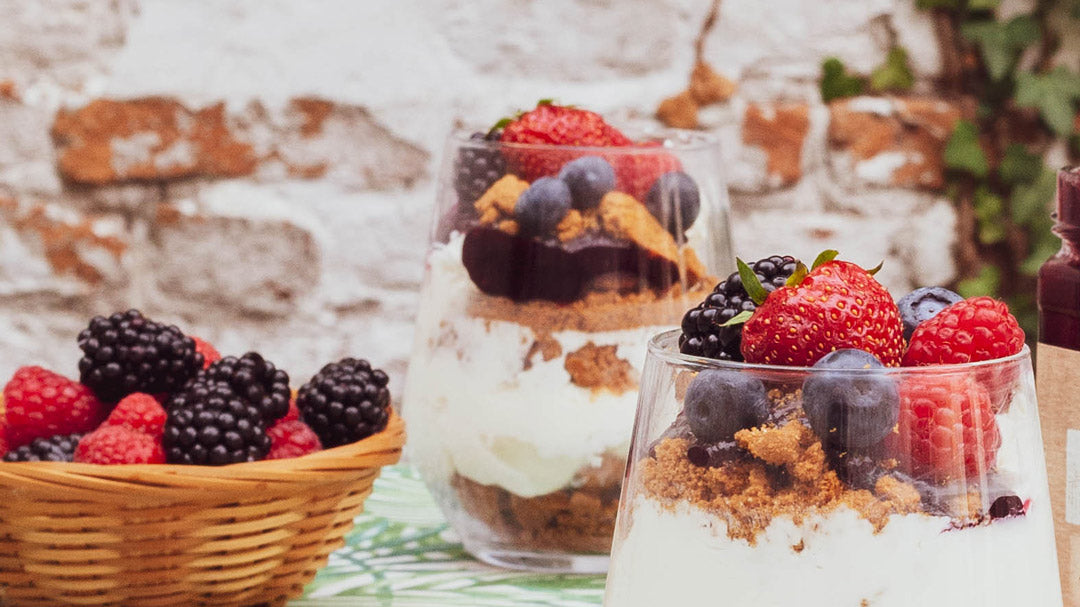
<point>550,124</point>
<point>946,430</point>
<point>980,328</point>
<point>119,445</point>
<point>835,305</point>
<point>209,352</point>
<point>39,403</point>
<point>292,438</point>
<point>139,412</point>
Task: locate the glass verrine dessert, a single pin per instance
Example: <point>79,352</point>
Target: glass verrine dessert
<point>550,266</point>
<point>824,474</point>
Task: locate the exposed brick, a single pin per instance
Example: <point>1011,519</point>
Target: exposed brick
<point>678,111</point>
<point>707,86</point>
<point>315,112</point>
<point>8,90</point>
<point>891,142</point>
<point>151,138</point>
<point>780,130</point>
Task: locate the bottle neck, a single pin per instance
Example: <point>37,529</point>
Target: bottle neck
<point>1067,211</point>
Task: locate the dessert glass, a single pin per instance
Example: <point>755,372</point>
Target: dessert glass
<point>522,384</point>
<point>780,517</point>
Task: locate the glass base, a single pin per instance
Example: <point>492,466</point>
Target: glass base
<point>542,562</point>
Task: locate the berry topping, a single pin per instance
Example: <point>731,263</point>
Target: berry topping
<point>140,412</point>
<point>1006,506</point>
<point>719,403</point>
<point>541,207</point>
<point>292,438</point>
<point>923,304</point>
<point>128,353</point>
<point>345,402</point>
<point>980,328</point>
<point>221,416</point>
<point>589,178</point>
<point>833,306</point>
<point>40,404</point>
<point>947,429</point>
<point>674,201</point>
<point>209,353</point>
<point>849,406</point>
<point>703,331</point>
<point>119,445</point>
<point>476,167</point>
<point>552,124</point>
<point>59,448</point>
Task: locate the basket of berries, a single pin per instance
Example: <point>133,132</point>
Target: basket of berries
<point>169,475</point>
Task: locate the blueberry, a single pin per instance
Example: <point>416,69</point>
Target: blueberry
<point>589,178</point>
<point>719,403</point>
<point>923,304</point>
<point>674,190</point>
<point>541,207</point>
<point>850,404</point>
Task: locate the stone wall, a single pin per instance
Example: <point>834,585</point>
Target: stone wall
<point>262,171</point>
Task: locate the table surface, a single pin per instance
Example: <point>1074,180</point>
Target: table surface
<point>402,554</point>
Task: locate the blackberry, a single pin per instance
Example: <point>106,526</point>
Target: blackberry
<point>222,415</point>
<point>59,448</point>
<point>477,167</point>
<point>345,402</point>
<point>127,353</point>
<point>702,334</point>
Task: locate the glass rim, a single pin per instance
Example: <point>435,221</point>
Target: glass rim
<point>673,140</point>
<point>660,346</point>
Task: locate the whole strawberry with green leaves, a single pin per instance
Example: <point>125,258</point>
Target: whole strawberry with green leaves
<point>831,306</point>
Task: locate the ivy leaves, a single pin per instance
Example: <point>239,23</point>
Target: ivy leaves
<point>1054,94</point>
<point>1001,43</point>
<point>963,152</point>
<point>836,82</point>
<point>893,75</point>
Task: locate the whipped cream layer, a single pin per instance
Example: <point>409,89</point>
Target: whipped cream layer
<point>683,556</point>
<point>474,409</point>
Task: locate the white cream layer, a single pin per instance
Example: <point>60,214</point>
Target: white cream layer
<point>684,557</point>
<point>474,409</point>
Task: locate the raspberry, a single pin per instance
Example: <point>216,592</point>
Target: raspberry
<point>980,328</point>
<point>345,402</point>
<point>209,353</point>
<point>292,438</point>
<point>59,448</point>
<point>294,411</point>
<point>119,445</point>
<point>40,404</point>
<point>947,429</point>
<point>140,412</point>
<point>128,353</point>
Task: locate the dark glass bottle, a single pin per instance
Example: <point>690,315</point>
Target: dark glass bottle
<point>1058,379</point>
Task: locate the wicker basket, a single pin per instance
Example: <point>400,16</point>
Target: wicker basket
<point>245,534</point>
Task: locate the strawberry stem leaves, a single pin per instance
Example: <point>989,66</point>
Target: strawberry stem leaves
<point>824,257</point>
<point>797,276</point>
<point>751,283</point>
<point>874,270</point>
<point>738,319</point>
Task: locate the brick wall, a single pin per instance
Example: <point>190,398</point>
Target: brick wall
<point>262,172</point>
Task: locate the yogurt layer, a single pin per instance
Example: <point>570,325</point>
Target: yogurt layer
<point>473,408</point>
<point>683,556</point>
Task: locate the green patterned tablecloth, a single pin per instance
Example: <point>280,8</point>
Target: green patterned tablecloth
<point>402,554</point>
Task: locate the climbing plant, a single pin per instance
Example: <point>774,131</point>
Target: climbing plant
<point>1023,104</point>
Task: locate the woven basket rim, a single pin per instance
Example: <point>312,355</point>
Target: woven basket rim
<point>379,449</point>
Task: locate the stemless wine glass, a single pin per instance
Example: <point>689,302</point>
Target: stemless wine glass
<point>549,268</point>
<point>749,485</point>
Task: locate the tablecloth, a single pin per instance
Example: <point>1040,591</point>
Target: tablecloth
<point>402,554</point>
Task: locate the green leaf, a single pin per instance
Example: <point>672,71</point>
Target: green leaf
<point>1032,200</point>
<point>986,283</point>
<point>797,276</point>
<point>988,210</point>
<point>837,83</point>
<point>1054,94</point>
<point>1074,9</point>
<point>1002,43</point>
<point>824,257</point>
<point>751,283</point>
<point>874,270</point>
<point>1042,249</point>
<point>932,4</point>
<point>983,5</point>
<point>893,75</point>
<point>1019,165</point>
<point>739,318</point>
<point>963,152</point>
